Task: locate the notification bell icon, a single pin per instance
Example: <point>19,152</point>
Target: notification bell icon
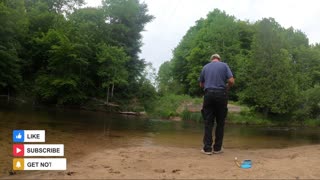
<point>18,164</point>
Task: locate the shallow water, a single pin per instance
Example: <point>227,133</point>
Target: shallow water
<point>83,132</point>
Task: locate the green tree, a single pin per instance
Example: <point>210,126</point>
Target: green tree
<point>64,54</point>
<point>271,86</point>
<point>312,102</point>
<point>112,69</point>
<point>10,78</point>
<point>273,66</point>
<point>89,29</point>
<point>218,33</point>
<point>164,77</point>
<point>128,18</point>
<point>147,88</point>
<point>60,81</point>
<point>35,54</point>
<point>13,27</point>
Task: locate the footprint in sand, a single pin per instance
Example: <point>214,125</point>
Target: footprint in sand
<point>113,172</point>
<point>176,170</point>
<point>70,173</point>
<point>293,156</point>
<point>160,170</point>
<point>92,166</point>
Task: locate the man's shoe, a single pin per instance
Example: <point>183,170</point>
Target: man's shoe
<point>218,152</point>
<point>206,152</point>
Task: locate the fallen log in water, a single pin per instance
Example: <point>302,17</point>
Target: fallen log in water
<point>130,113</point>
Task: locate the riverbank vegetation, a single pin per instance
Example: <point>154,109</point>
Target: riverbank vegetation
<point>187,108</point>
<point>277,71</point>
<point>62,53</point>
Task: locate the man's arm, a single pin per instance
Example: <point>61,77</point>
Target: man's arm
<point>201,79</point>
<point>201,84</point>
<point>230,78</point>
<point>230,83</point>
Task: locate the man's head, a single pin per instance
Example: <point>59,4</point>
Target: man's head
<point>215,56</point>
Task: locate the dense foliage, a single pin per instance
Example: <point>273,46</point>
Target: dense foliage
<point>59,53</point>
<point>276,69</point>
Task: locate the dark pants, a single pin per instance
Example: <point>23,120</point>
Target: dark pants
<point>214,108</point>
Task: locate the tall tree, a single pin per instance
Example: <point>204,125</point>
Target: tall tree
<point>271,86</point>
<point>112,69</point>
<point>13,27</point>
<point>60,82</point>
<point>218,33</point>
<point>128,18</point>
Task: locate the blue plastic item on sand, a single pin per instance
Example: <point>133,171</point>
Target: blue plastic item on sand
<point>246,164</point>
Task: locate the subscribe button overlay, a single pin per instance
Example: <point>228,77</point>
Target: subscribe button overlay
<point>20,136</point>
<point>38,150</point>
<point>39,164</point>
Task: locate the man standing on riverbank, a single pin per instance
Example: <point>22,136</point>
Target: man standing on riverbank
<point>216,78</point>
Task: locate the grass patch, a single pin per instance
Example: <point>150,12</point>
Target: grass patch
<point>167,105</point>
<point>238,118</point>
<point>194,116</point>
<point>234,103</point>
<point>312,122</point>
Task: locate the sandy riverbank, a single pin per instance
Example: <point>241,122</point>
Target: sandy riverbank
<point>156,162</point>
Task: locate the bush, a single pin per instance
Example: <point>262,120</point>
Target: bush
<point>310,105</point>
<point>312,122</point>
<point>167,105</point>
<point>195,116</point>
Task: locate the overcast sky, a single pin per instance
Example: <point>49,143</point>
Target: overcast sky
<point>173,18</point>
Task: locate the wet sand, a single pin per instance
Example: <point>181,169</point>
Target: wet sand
<point>160,162</point>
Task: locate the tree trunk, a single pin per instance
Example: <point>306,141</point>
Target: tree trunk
<point>266,112</point>
<point>112,90</point>
<point>108,95</point>
<point>8,94</point>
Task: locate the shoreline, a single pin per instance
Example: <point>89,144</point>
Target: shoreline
<point>159,162</point>
<point>235,114</point>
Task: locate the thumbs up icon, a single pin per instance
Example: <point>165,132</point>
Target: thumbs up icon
<point>19,136</point>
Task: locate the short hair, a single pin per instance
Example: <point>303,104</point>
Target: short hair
<point>215,56</point>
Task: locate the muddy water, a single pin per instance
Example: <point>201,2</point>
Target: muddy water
<point>83,132</point>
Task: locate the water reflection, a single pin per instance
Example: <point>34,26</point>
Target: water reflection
<point>162,132</point>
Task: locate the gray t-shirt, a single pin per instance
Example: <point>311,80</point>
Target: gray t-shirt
<point>214,75</point>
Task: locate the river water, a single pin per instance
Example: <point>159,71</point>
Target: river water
<point>83,132</point>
